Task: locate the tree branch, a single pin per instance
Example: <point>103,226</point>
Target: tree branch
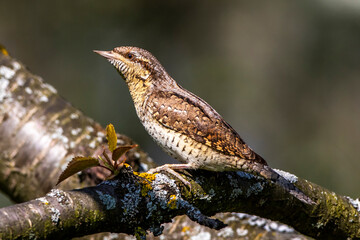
<point>136,203</point>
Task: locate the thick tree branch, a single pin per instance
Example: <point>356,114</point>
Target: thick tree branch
<point>134,203</point>
<point>129,204</point>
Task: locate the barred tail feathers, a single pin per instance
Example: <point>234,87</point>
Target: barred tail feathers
<point>268,173</point>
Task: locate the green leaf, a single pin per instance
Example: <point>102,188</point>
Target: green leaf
<point>119,151</point>
<point>77,164</point>
<point>111,137</point>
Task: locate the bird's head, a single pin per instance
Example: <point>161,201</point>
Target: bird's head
<point>134,63</point>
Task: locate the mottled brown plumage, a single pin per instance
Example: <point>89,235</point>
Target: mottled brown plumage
<point>187,114</point>
<point>184,125</point>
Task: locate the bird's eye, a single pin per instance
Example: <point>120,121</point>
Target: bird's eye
<point>129,55</point>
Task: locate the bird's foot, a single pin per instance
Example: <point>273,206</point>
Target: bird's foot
<point>170,168</point>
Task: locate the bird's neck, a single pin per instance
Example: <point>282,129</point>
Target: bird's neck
<point>138,90</point>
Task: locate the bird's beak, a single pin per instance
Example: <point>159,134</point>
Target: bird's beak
<point>106,54</point>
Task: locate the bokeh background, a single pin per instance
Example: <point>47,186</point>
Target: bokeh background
<point>284,74</point>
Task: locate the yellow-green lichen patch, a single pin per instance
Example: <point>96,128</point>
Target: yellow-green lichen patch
<point>145,188</point>
<point>172,202</point>
<point>145,181</point>
<point>140,233</point>
<point>185,229</point>
<point>148,176</point>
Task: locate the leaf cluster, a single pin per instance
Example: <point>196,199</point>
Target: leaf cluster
<point>113,163</point>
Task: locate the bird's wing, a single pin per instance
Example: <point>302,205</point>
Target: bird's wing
<point>188,114</point>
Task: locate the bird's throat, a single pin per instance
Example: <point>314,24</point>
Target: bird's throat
<point>138,90</point>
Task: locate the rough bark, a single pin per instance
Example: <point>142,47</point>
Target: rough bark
<point>136,203</point>
<point>40,132</point>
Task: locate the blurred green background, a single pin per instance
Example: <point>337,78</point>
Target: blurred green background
<point>284,74</point>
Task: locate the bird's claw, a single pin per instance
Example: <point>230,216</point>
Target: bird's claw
<point>167,168</point>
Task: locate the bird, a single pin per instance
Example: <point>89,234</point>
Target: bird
<point>184,125</point>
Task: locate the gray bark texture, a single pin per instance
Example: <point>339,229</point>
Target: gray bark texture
<point>40,133</point>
